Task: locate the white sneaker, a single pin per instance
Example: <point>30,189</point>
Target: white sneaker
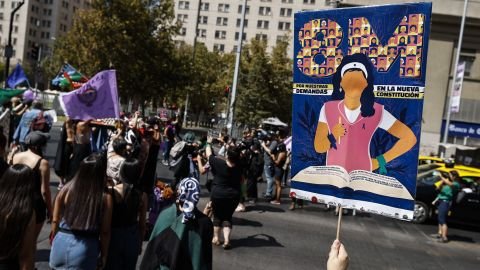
<point>240,208</point>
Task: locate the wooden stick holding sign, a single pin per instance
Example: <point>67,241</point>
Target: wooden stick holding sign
<point>339,223</point>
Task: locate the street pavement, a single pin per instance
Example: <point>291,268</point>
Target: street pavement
<point>273,237</point>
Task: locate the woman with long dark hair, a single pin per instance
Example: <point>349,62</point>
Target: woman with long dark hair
<point>348,122</point>
<point>17,218</point>
<point>82,219</point>
<point>225,196</point>
<point>35,141</point>
<point>128,217</point>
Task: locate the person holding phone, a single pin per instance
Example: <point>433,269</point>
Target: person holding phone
<point>448,187</point>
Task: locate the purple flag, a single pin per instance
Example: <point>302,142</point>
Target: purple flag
<point>97,98</point>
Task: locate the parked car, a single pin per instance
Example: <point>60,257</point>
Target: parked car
<point>465,206</point>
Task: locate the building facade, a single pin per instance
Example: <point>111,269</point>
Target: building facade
<point>219,29</point>
<point>36,25</point>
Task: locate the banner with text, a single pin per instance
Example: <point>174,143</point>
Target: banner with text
<point>359,82</point>
<point>457,88</point>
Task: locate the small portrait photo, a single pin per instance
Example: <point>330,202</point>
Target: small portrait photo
<point>300,53</point>
<point>402,71</point>
<point>412,29</point>
<point>373,60</point>
<point>306,71</point>
<point>373,42</point>
<point>356,32</point>
<point>300,34</point>
<point>366,31</point>
<point>419,51</point>
<point>338,61</point>
<point>331,52</point>
<point>365,42</point>
<point>322,71</point>
<point>307,34</point>
<point>411,62</point>
<point>332,42</point>
<point>410,72</point>
<point>403,51</point>
<point>382,51</point>
<point>412,40</point>
<point>338,52</point>
<point>299,63</point>
<point>392,51</point>
<point>411,50</point>
<point>382,62</point>
<point>357,22</point>
<point>331,32</point>
<point>323,23</point>
<point>413,18</point>
<point>373,52</point>
<point>392,41</point>
<point>403,29</point>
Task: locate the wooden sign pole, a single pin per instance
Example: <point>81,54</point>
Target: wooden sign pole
<point>339,224</point>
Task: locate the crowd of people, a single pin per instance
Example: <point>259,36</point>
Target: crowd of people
<point>110,201</point>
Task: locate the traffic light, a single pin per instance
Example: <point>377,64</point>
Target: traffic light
<point>34,52</point>
<point>227,91</point>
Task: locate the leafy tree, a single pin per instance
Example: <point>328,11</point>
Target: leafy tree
<point>265,83</point>
<point>282,81</point>
<point>204,79</point>
<point>132,36</point>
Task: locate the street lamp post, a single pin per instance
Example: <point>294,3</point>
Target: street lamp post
<point>237,69</point>
<point>457,59</point>
<point>193,59</point>
<point>9,47</point>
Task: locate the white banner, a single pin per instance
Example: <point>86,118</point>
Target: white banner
<point>457,88</point>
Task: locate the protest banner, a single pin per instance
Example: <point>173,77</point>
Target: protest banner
<point>97,98</point>
<point>359,78</point>
<point>457,89</point>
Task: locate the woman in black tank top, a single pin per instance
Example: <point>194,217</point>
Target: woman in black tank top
<point>128,218</point>
<point>35,141</point>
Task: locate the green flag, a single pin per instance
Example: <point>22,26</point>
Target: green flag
<point>7,94</point>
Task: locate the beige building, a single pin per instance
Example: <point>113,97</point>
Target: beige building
<point>36,23</point>
<point>219,29</point>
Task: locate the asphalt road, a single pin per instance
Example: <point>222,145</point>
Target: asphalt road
<point>272,237</point>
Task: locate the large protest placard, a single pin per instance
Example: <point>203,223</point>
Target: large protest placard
<point>359,78</point>
<point>96,99</point>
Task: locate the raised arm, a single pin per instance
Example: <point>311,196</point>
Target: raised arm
<point>208,147</point>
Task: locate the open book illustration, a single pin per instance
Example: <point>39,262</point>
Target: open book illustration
<point>357,180</point>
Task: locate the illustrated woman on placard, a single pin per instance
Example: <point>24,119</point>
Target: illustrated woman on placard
<point>347,123</point>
